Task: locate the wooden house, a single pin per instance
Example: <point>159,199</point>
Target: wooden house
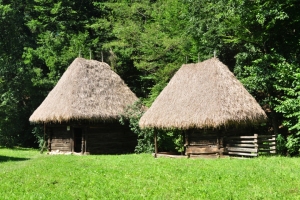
<point>211,106</point>
<point>81,112</point>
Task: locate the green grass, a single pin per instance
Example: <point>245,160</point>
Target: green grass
<point>26,174</point>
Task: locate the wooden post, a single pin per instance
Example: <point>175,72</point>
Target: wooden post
<point>86,130</point>
<point>82,140</point>
<point>273,150</point>
<point>218,145</point>
<point>45,131</point>
<point>183,141</point>
<point>49,140</point>
<point>72,138</point>
<point>187,143</point>
<point>44,140</point>
<point>155,143</point>
<point>256,143</point>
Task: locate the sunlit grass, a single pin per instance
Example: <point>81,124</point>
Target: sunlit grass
<point>31,175</point>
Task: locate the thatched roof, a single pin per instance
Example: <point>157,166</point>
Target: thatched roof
<point>88,90</point>
<point>203,95</point>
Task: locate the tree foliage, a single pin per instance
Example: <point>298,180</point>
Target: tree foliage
<point>145,42</point>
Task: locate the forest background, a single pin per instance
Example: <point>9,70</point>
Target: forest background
<point>145,42</point>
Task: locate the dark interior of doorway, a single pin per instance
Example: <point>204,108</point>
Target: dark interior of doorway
<point>77,139</point>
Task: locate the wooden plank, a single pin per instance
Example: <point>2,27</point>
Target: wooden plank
<point>61,149</point>
<point>242,149</point>
<point>242,145</point>
<point>241,137</point>
<point>54,146</point>
<point>240,141</point>
<point>168,155</point>
<point>212,156</point>
<point>242,154</point>
<point>155,143</point>
<point>199,150</point>
<point>203,146</point>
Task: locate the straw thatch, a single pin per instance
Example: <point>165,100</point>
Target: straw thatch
<point>88,90</point>
<point>203,95</point>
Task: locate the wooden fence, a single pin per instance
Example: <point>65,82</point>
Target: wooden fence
<point>250,146</point>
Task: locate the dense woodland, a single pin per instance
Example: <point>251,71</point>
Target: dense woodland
<point>145,42</point>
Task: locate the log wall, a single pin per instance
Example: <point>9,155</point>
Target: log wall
<point>204,142</point>
<point>232,142</point>
<point>100,138</point>
<point>59,139</point>
<point>251,146</point>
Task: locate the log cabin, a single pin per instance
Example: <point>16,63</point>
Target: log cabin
<point>209,104</point>
<point>81,113</point>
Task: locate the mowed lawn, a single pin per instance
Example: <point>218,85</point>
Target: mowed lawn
<point>26,174</point>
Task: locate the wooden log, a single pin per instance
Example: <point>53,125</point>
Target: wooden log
<point>241,141</point>
<point>212,156</point>
<point>60,145</point>
<point>242,145</point>
<point>187,142</point>
<point>241,137</point>
<point>86,135</point>
<point>255,142</point>
<point>202,146</point>
<point>242,149</point>
<point>82,141</point>
<point>49,141</point>
<point>203,143</point>
<point>168,155</point>
<point>155,143</point>
<point>242,154</point>
<point>61,149</point>
<point>197,150</point>
<point>72,139</point>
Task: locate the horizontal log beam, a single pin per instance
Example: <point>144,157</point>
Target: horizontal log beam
<point>242,149</point>
<point>241,137</point>
<point>242,145</point>
<point>199,150</point>
<point>243,154</point>
<point>240,141</point>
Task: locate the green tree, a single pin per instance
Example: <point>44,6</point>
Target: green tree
<point>15,84</point>
<point>150,42</point>
<point>259,41</point>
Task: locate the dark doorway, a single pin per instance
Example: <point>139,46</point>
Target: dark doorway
<point>77,139</point>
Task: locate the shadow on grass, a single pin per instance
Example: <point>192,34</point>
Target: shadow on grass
<point>9,158</point>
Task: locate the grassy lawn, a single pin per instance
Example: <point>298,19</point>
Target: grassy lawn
<point>26,174</point>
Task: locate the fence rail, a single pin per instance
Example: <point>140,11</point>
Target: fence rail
<point>251,146</point>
